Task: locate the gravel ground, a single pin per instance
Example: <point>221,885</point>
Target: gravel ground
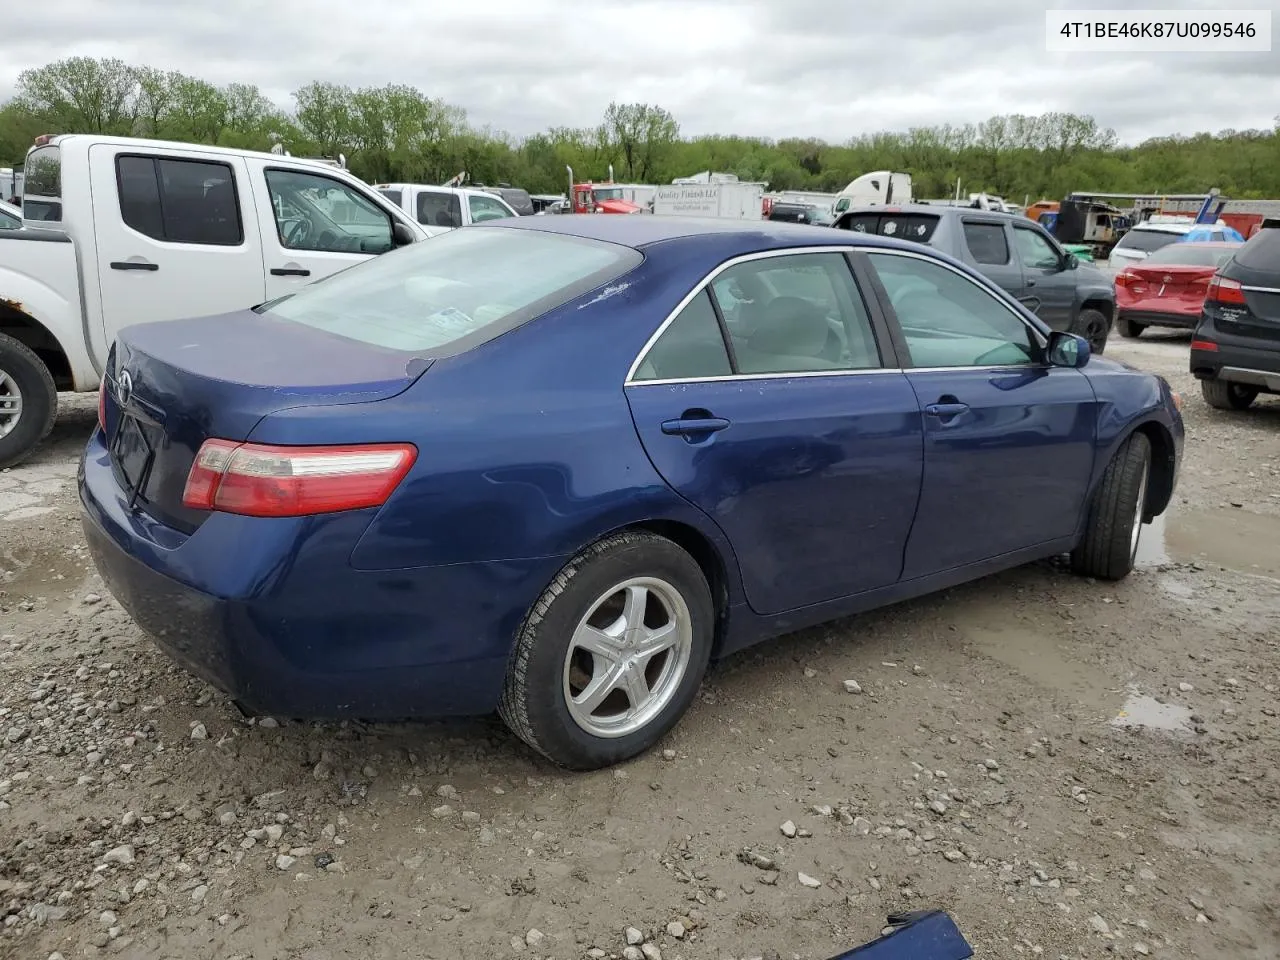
<point>1073,769</point>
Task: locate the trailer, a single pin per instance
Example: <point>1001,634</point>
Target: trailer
<point>732,201</point>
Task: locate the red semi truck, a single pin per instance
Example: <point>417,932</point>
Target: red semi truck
<point>605,197</point>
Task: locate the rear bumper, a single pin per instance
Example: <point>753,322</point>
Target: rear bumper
<point>272,613</point>
<point>1245,360</point>
<point>1161,318</point>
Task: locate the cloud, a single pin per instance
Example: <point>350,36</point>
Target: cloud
<point>777,68</point>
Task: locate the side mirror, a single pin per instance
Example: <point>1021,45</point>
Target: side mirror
<point>1067,350</point>
<point>1071,262</point>
<point>401,235</point>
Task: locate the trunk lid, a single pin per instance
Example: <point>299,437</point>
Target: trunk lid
<point>172,385</point>
<point>1259,316</point>
<point>1172,280</point>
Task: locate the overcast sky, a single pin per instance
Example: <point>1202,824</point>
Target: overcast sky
<point>774,68</point>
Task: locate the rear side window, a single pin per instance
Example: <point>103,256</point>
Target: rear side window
<point>486,208</point>
<point>439,209</point>
<point>1261,251</point>
<point>1147,241</point>
<point>393,195</point>
<point>987,242</point>
<point>691,347</point>
<point>460,289</point>
<point>180,201</point>
<point>42,190</point>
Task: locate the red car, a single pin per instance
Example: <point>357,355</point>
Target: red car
<point>1167,288</point>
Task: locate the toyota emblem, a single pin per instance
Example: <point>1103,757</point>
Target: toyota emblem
<point>124,388</point>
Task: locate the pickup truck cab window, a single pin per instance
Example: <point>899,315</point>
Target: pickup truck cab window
<point>987,242</point>
<point>180,201</point>
<point>439,209</point>
<point>486,208</point>
<point>315,212</point>
<point>947,320</point>
<point>1035,251</point>
<point>42,190</point>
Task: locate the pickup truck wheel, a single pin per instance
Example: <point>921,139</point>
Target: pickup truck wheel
<point>1094,327</point>
<point>1227,396</point>
<point>28,401</point>
<point>611,654</point>
<point>1114,524</point>
<point>1128,329</point>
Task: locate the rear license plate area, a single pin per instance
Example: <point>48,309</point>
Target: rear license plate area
<point>133,453</point>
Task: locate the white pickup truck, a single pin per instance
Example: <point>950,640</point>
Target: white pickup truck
<point>441,209</point>
<point>119,231</point>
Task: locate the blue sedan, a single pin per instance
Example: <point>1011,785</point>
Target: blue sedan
<point>556,466</point>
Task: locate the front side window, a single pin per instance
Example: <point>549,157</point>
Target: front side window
<point>460,289</point>
<point>948,320</point>
<point>986,242</point>
<point>1035,251</point>
<point>795,314</point>
<point>180,201</point>
<point>486,208</point>
<point>8,221</point>
<point>315,212</point>
<point>691,348</point>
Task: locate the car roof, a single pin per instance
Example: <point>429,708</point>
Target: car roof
<point>1213,244</point>
<point>434,188</point>
<point>640,230</point>
<point>931,209</point>
<point>1172,227</point>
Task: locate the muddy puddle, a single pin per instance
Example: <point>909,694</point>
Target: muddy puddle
<point>47,573</point>
<point>1142,710</point>
<point>1231,538</point>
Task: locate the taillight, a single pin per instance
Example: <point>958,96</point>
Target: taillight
<point>1223,290</point>
<point>1124,278</point>
<point>258,480</point>
<point>1208,345</point>
<point>102,404</point>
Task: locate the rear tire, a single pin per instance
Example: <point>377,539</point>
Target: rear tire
<point>1094,326</point>
<point>28,401</point>
<point>1114,525</point>
<point>1129,329</point>
<point>546,701</point>
<point>1222,395</point>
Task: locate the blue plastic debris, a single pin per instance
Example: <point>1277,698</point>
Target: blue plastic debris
<point>922,935</point>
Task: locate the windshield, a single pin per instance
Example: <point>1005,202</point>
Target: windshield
<point>608,193</point>
<point>1190,255</point>
<point>454,291</point>
<point>1148,241</point>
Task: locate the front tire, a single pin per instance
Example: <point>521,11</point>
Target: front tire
<point>1129,329</point>
<point>612,653</point>
<point>1114,525</point>
<point>1222,395</point>
<point>28,401</point>
<point>1094,326</point>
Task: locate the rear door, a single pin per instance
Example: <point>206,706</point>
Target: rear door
<point>800,440</point>
<point>175,235</point>
<point>313,225</point>
<point>1046,277</point>
<point>1008,439</point>
<point>987,242</point>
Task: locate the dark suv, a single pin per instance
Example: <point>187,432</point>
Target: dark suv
<point>1235,350</point>
<point>1013,253</point>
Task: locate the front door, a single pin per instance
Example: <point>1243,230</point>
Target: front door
<point>1008,439</point>
<point>174,235</point>
<point>796,440</point>
<point>313,225</point>
<point>1047,278</point>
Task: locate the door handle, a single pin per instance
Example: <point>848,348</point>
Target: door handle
<point>1031,283</point>
<point>290,272</point>
<point>946,411</point>
<point>133,265</point>
<point>693,426</point>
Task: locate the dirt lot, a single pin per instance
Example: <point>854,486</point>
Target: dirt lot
<point>986,767</point>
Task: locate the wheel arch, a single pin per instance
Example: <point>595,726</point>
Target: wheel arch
<point>17,322</point>
<point>1164,463</point>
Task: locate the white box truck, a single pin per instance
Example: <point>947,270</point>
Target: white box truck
<point>733,201</point>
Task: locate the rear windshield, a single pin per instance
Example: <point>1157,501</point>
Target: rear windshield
<point>1148,241</point>
<point>42,190</point>
<point>1261,251</point>
<point>1190,255</point>
<point>906,226</point>
<point>445,295</point>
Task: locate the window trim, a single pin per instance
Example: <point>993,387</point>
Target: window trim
<point>997,294</point>
<point>155,159</point>
<point>320,174</point>
<point>843,250</point>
